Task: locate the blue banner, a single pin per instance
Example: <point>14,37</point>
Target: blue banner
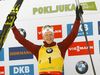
<point>2,54</point>
<point>22,69</point>
<point>17,53</point>
<point>88,29</point>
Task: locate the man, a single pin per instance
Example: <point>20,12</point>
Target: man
<point>50,56</point>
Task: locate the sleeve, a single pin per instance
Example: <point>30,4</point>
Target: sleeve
<point>63,46</point>
<point>27,44</point>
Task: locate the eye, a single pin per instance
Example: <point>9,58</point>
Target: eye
<point>46,35</point>
<point>50,34</point>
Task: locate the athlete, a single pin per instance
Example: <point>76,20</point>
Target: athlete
<point>50,56</point>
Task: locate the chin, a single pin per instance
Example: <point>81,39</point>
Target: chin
<point>49,42</point>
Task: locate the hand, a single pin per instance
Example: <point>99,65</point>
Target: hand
<point>78,12</point>
<point>13,25</point>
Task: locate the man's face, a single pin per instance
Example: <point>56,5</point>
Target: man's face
<point>48,37</point>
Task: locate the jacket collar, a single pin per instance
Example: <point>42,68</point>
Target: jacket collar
<point>49,45</point>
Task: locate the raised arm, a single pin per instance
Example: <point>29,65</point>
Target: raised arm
<point>27,44</point>
<point>73,34</point>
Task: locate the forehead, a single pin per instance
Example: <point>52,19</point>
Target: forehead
<point>48,32</point>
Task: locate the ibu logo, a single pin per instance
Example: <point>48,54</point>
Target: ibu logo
<point>22,70</point>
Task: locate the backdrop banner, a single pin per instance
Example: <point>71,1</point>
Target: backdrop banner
<point>32,16</point>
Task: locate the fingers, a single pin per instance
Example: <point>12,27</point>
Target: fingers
<point>79,9</point>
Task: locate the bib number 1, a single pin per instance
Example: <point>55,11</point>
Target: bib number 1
<point>49,60</point>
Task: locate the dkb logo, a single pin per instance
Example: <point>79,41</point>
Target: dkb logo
<point>22,70</point>
<point>88,28</point>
